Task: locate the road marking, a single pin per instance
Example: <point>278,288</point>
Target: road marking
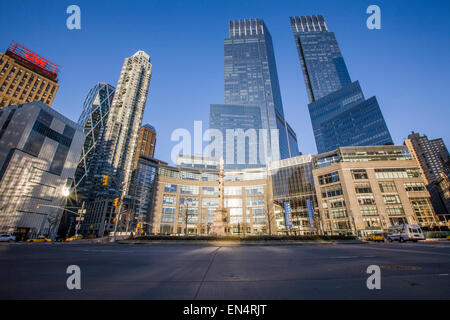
<point>351,257</point>
<point>119,251</point>
<point>404,251</point>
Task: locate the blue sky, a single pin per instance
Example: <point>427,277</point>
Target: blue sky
<point>405,64</point>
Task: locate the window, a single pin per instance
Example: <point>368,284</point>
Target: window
<point>366,200</point>
<point>210,202</point>
<point>395,210</point>
<point>188,175</point>
<point>166,229</point>
<point>233,202</point>
<point>189,190</point>
<point>259,219</point>
<point>166,172</point>
<point>397,173</point>
<point>337,203</point>
<point>332,191</point>
<point>339,213</point>
<point>422,209</point>
<point>329,178</point>
<point>210,191</point>
<point>189,202</point>
<point>256,211</point>
<point>171,200</point>
<point>255,201</point>
<point>168,210</point>
<point>415,187</point>
<point>363,188</point>
<point>232,191</point>
<point>369,211</point>
<point>167,218</point>
<point>394,199</point>
<point>372,223</point>
<point>235,211</point>
<point>254,190</point>
<point>359,174</point>
<point>388,187</point>
<point>172,188</point>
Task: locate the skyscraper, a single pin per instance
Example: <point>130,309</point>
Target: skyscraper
<point>340,114</point>
<point>119,142</point>
<point>93,119</point>
<point>431,155</point>
<point>146,143</point>
<point>251,80</point>
<point>433,159</point>
<point>125,118</point>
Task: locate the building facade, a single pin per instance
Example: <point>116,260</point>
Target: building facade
<point>189,197</point>
<point>146,143</point>
<point>340,114</point>
<point>433,159</point>
<point>251,80</point>
<point>431,154</point>
<point>143,191</point>
<point>294,196</point>
<point>39,152</point>
<point>26,77</point>
<point>363,190</point>
<point>120,139</point>
<point>93,119</point>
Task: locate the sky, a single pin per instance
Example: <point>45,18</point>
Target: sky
<point>405,64</point>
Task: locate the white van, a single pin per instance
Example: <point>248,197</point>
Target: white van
<point>405,232</point>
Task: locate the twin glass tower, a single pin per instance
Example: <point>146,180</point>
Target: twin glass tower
<point>340,114</point>
<point>252,98</point>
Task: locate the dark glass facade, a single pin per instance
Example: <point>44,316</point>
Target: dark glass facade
<point>93,118</point>
<point>293,187</point>
<point>340,114</point>
<point>251,79</point>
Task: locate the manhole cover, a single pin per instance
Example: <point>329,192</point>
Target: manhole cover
<point>399,267</point>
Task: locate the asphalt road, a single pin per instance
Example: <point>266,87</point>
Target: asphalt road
<point>180,271</point>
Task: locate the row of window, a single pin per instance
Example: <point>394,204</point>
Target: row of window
<point>360,174</point>
<point>229,191</point>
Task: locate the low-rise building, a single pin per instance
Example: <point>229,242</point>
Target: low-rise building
<point>39,152</point>
<point>189,195</point>
<point>363,190</point>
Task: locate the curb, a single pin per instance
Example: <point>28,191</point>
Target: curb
<point>235,243</point>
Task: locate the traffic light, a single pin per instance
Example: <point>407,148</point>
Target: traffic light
<point>105,181</point>
<point>116,202</point>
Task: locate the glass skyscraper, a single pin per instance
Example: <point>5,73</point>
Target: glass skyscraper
<point>340,114</point>
<point>251,81</point>
<point>93,119</point>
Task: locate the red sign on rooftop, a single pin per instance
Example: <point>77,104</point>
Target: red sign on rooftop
<point>27,55</point>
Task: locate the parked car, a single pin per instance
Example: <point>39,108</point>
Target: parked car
<point>40,239</point>
<point>74,237</point>
<point>377,237</point>
<point>7,238</point>
<point>405,232</point>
